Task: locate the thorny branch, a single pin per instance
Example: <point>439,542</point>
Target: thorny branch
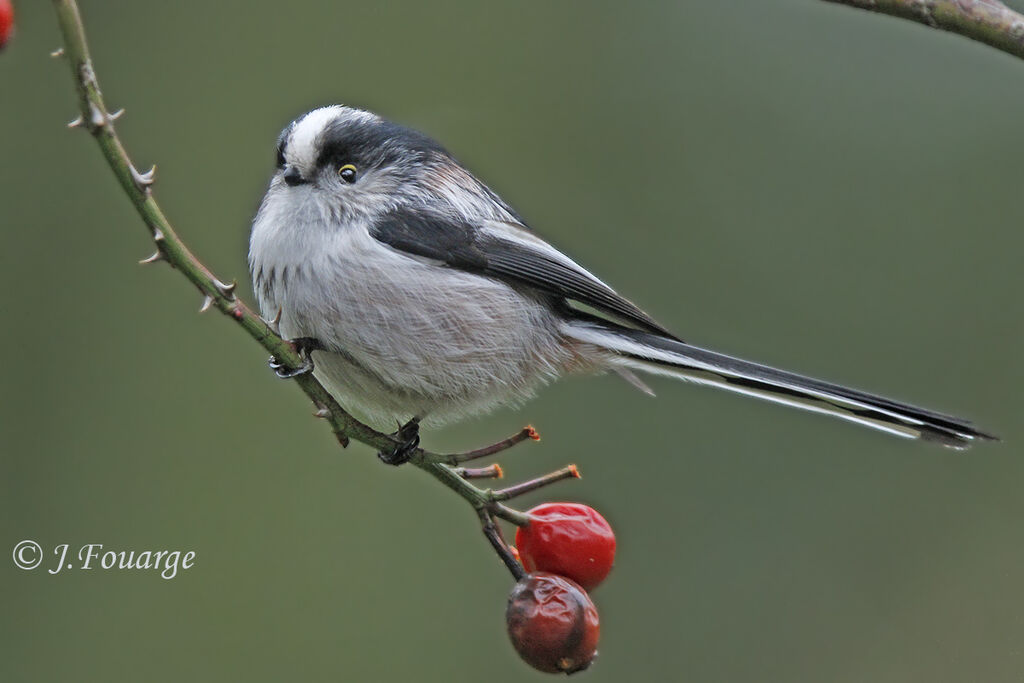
<point>95,118</point>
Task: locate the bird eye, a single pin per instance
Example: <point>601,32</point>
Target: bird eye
<point>348,173</point>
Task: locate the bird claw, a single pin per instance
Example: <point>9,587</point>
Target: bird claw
<point>409,435</point>
<point>305,346</point>
<point>284,372</point>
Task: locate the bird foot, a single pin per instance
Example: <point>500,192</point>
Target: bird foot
<point>305,346</point>
<point>409,436</point>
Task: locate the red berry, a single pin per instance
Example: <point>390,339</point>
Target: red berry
<point>568,539</point>
<point>552,623</point>
<point>6,21</point>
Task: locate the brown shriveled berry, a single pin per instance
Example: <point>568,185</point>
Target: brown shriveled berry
<point>552,623</point>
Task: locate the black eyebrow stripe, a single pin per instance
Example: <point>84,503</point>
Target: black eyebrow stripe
<point>282,144</point>
<point>373,141</point>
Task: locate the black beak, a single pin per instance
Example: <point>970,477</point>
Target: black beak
<point>293,177</point>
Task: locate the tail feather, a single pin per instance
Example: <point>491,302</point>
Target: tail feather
<point>661,355</point>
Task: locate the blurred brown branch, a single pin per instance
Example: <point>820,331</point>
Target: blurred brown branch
<point>986,21</point>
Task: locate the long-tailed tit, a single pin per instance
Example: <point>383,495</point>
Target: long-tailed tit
<point>422,295</point>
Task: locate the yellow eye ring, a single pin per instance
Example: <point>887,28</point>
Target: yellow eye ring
<point>348,173</point>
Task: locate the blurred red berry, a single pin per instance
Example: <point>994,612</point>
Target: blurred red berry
<point>568,539</point>
<point>6,21</point>
<point>552,623</point>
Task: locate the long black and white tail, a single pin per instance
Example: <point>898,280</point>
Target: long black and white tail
<point>650,352</point>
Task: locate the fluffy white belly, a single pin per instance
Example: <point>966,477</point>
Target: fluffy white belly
<point>406,336</point>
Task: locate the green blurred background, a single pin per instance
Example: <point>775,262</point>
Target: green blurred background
<point>799,183</point>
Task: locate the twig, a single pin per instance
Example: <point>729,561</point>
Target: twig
<point>493,534</point>
<point>493,471</point>
<point>570,472</point>
<point>96,118</point>
<point>986,21</point>
<point>525,433</point>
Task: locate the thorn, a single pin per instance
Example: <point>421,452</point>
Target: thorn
<point>207,303</point>
<point>322,412</point>
<point>273,324</point>
<point>59,52</point>
<point>97,117</point>
<point>76,122</point>
<point>227,290</point>
<point>158,235</point>
<point>143,180</point>
<point>116,115</point>
<point>157,256</point>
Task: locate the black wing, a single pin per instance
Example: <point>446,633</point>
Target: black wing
<point>500,254</point>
